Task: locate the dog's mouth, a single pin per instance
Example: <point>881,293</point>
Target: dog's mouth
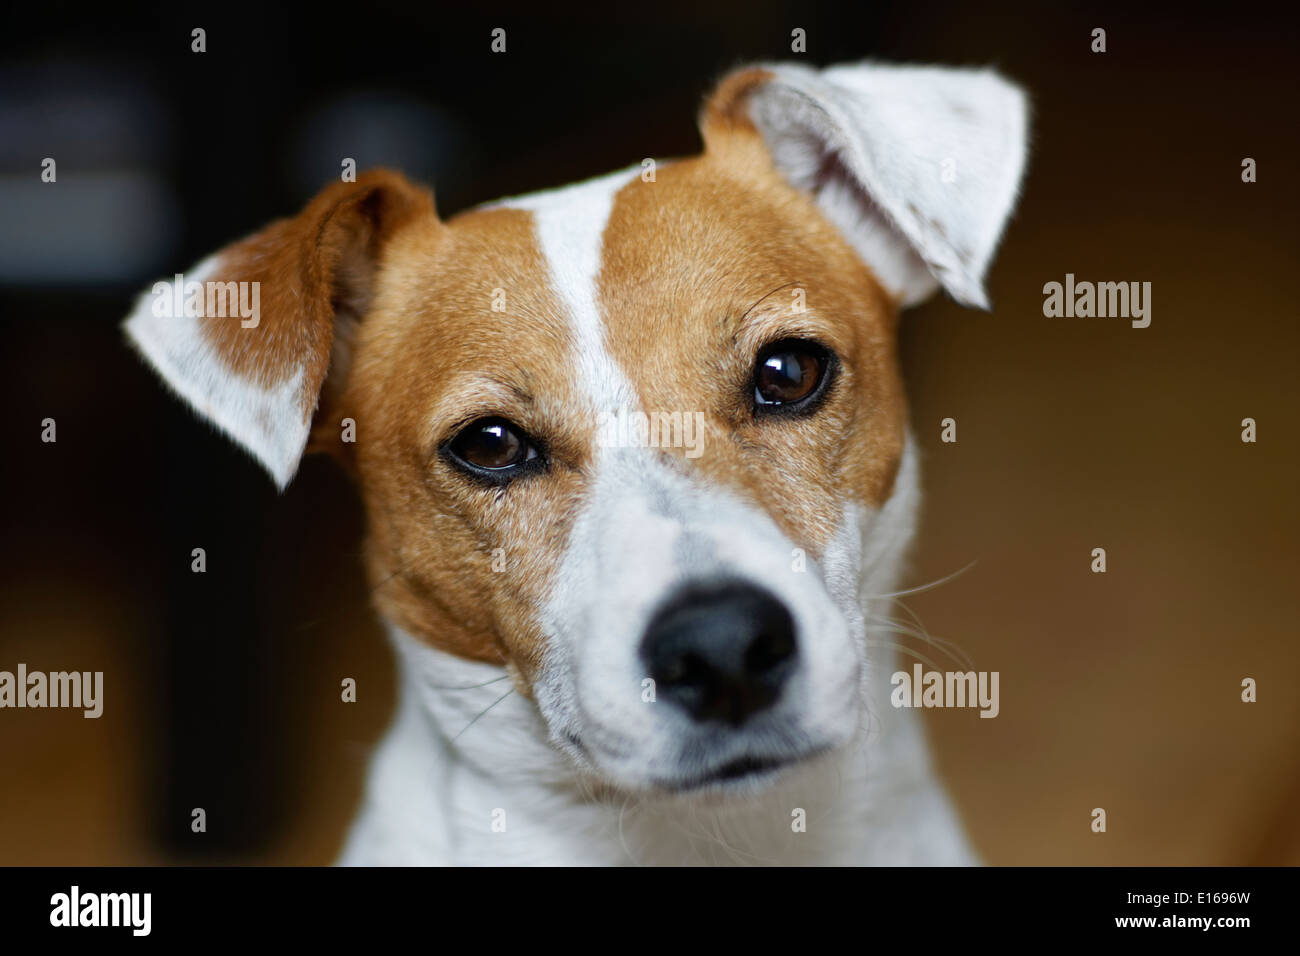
<point>741,773</point>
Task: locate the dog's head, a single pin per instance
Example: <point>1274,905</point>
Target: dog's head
<point>641,439</point>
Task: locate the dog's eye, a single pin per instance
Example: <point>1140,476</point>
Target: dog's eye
<point>790,375</point>
<point>493,448</point>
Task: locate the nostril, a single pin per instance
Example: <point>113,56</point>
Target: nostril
<point>773,647</point>
<point>687,669</point>
<point>721,651</point>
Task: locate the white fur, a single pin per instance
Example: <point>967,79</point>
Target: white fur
<point>622,562</point>
<point>893,129</point>
<point>470,771</point>
<point>459,760</point>
<point>270,423</point>
<point>450,767</point>
<point>570,225</point>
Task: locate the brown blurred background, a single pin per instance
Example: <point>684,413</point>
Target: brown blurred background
<point>1119,690</point>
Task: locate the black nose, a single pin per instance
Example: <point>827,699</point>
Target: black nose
<point>720,651</point>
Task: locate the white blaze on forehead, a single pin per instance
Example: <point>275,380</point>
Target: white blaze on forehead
<point>570,226</point>
<point>643,528</point>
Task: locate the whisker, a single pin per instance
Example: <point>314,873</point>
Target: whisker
<point>903,648</point>
<point>923,587</point>
<point>898,627</point>
<point>622,837</point>
<point>495,680</point>
<point>954,650</point>
<point>482,712</point>
<point>764,299</point>
<point>951,648</point>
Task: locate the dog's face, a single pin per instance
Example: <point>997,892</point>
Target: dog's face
<point>717,298</point>
<point>631,439</point>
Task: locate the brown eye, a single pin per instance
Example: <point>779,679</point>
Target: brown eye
<point>789,375</point>
<point>492,448</point>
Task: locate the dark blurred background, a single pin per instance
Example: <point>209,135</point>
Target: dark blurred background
<point>1119,691</point>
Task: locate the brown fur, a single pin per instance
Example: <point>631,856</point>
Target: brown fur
<point>697,275</point>
<point>313,269</point>
<point>700,270</point>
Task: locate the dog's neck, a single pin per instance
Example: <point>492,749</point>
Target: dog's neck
<point>466,775</point>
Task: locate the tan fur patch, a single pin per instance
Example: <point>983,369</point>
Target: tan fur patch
<point>700,270</point>
<point>433,355</point>
<point>697,275</point>
<point>304,265</point>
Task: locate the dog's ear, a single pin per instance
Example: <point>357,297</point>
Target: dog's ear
<point>917,166</point>
<point>254,334</point>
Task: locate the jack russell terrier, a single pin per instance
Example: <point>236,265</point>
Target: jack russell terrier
<point>629,650</point>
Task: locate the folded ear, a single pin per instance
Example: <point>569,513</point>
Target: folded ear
<point>249,335</point>
<point>917,166</point>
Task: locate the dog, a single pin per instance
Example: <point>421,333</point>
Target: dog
<point>614,648</point>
